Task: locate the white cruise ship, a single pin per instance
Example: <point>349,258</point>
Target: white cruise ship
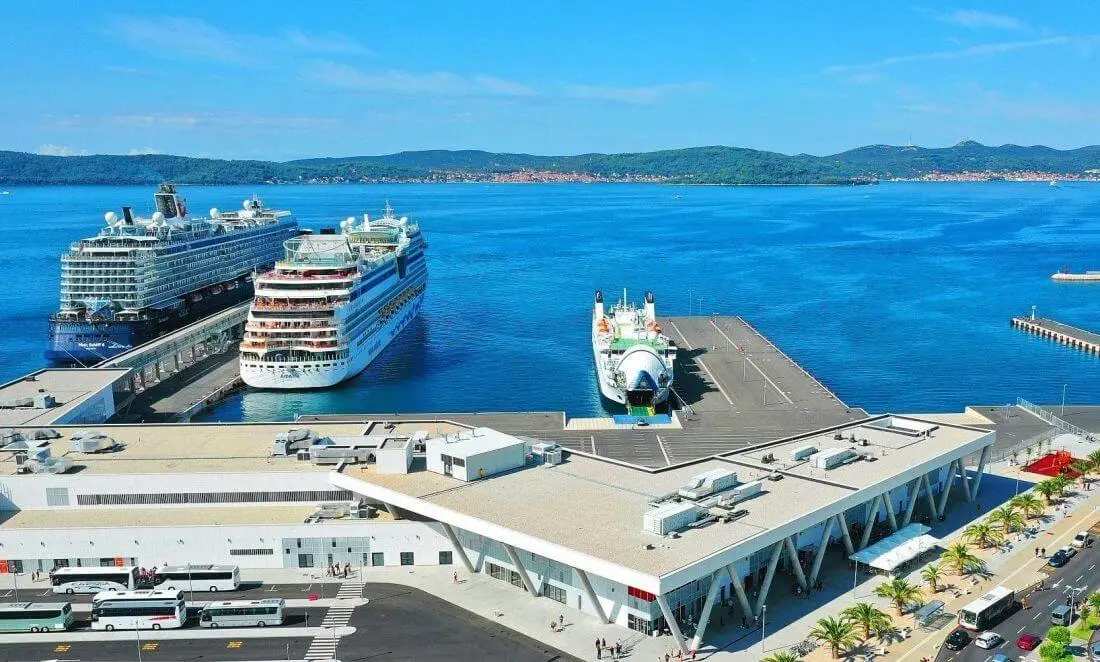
<point>337,300</point>
<point>634,360</point>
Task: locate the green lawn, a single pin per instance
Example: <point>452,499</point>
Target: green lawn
<point>1083,629</point>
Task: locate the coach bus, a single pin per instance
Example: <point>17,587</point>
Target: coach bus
<point>988,610</point>
<point>211,578</point>
<point>243,613</point>
<point>94,580</point>
<point>35,616</point>
<point>138,610</point>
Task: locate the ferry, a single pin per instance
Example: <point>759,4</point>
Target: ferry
<point>142,277</point>
<point>1067,277</point>
<point>634,360</point>
<point>336,300</point>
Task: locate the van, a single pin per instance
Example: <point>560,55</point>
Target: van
<point>1061,615</point>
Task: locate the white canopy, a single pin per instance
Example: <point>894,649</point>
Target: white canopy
<point>905,545</point>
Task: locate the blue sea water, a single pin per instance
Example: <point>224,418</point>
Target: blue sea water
<point>897,296</point>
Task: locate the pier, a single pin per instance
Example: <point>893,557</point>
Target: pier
<point>1086,341</point>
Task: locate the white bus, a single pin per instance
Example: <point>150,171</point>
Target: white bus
<point>211,578</point>
<point>138,610</point>
<point>94,580</point>
<point>988,610</point>
<point>243,613</point>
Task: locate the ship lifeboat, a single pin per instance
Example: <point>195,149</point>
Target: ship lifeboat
<point>652,325</point>
<point>217,289</point>
<point>602,326</point>
<point>196,297</point>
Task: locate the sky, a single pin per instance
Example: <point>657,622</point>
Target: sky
<point>280,80</point>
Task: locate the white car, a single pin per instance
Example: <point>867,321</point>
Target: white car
<point>1082,539</point>
<point>1070,552</point>
<point>988,640</point>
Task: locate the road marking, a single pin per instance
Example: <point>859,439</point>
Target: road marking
<point>1036,617</point>
<point>699,360</point>
<point>753,364</point>
<point>1021,629</point>
<point>150,647</point>
<point>1092,566</point>
<point>62,648</point>
<point>1052,602</point>
<point>1078,578</point>
<point>665,453</point>
<point>234,644</point>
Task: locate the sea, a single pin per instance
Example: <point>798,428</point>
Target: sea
<point>897,296</point>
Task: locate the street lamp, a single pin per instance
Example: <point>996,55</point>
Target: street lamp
<point>763,626</point>
<point>190,584</point>
<point>1064,399</point>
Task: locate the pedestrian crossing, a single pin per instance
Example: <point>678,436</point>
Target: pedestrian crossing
<point>324,645</point>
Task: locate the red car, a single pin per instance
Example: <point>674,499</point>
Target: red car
<point>1027,642</point>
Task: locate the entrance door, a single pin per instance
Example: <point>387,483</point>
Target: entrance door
<point>448,465</point>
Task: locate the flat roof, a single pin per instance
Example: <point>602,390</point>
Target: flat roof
<point>105,518</point>
<point>613,497</point>
<point>69,386</point>
<point>192,448</point>
<point>473,442</point>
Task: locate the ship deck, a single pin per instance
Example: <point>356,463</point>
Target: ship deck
<point>734,389</point>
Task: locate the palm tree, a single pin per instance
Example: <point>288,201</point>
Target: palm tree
<point>1029,452</point>
<point>1007,517</point>
<point>781,656</point>
<point>1094,457</point>
<point>1083,468</point>
<point>983,534</point>
<point>959,557</point>
<point>1048,488</point>
<point>1015,457</point>
<point>1027,503</point>
<point>1061,482</point>
<point>838,633</point>
<point>932,574</point>
<point>899,592</point>
<point>866,616</point>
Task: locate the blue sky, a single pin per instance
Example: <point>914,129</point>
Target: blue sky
<point>283,80</point>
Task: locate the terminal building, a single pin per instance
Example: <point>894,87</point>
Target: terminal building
<point>648,548</point>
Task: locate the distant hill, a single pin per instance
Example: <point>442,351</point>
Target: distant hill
<point>703,165</point>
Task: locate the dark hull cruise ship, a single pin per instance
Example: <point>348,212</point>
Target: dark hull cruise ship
<point>140,278</point>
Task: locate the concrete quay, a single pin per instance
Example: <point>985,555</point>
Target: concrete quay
<point>1086,341</point>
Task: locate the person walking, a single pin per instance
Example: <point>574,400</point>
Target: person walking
<point>561,620</point>
<point>456,577</point>
<point>346,566</point>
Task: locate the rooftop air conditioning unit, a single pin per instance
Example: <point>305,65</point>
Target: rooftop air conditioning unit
<point>553,458</point>
<point>303,455</point>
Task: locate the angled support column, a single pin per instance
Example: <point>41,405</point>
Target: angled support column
<point>792,555</point>
<point>845,535</point>
<point>911,503</point>
<point>888,501</point>
<point>592,595</point>
<point>872,516</point>
<point>391,510</point>
<point>512,554</point>
<point>458,547</point>
<point>942,506</point>
<point>708,606</point>
<point>965,480</point>
<point>981,472</point>
<point>768,577</point>
<point>933,511</point>
<point>672,624</point>
<point>739,590</point>
<point>819,556</point>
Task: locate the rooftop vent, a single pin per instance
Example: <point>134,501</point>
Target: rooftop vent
<point>707,483</point>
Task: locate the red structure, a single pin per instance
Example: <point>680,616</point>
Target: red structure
<point>1054,464</point>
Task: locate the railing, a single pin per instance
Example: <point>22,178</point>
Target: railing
<point>1049,417</point>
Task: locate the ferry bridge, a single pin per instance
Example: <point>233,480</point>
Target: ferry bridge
<point>157,359</point>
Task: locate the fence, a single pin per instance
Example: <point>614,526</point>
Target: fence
<point>1049,417</point>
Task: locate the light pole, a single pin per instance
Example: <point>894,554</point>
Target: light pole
<point>1073,600</point>
<point>855,575</point>
<point>138,632</point>
<point>1063,399</point>
<point>763,626</point>
<point>190,584</point>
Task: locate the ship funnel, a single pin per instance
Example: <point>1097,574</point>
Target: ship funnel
<point>650,309</point>
<point>598,311</point>
<point>128,215</point>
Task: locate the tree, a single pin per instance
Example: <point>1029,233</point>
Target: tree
<point>837,633</point>
<point>1015,456</point>
<point>1094,601</point>
<point>1094,457</point>
<point>1027,503</point>
<point>1048,488</point>
<point>960,558</point>
<point>781,656</point>
<point>1059,634</point>
<point>932,574</point>
<point>1082,467</point>
<point>868,617</point>
<point>983,534</point>
<point>1007,517</point>
<point>899,592</point>
<point>1052,651</point>
<point>1061,482</point>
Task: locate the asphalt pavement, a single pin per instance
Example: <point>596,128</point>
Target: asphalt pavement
<point>1083,570</point>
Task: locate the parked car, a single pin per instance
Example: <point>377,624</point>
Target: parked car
<point>1001,657</point>
<point>1082,539</point>
<point>957,640</point>
<point>1057,559</point>
<point>1028,641</point>
<point>1068,550</point>
<point>1096,650</point>
<point>988,640</point>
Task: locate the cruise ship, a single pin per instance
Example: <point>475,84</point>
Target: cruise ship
<point>140,278</point>
<point>634,360</point>
<point>334,303</point>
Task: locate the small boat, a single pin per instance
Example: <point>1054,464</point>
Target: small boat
<point>1067,277</point>
<point>5,192</point>
<point>1052,183</point>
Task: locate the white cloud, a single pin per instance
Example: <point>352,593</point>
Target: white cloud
<point>59,150</point>
<point>178,37</point>
<point>395,81</point>
<point>327,42</point>
<point>973,51</point>
<point>637,95</point>
<point>188,120</point>
<point>143,151</point>
<point>970,18</point>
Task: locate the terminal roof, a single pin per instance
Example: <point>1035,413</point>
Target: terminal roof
<point>69,387</point>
